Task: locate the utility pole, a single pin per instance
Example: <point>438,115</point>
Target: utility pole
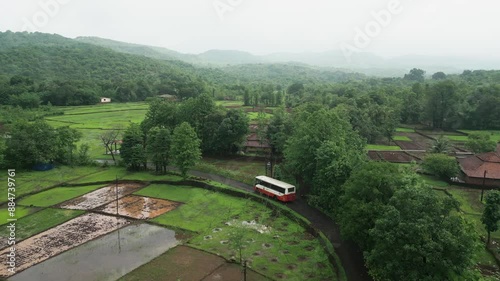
<point>484,181</point>
<point>245,270</point>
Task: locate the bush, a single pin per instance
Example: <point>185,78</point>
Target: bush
<point>479,143</point>
<point>441,165</point>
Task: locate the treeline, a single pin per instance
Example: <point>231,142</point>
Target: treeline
<point>406,231</point>
<point>220,131</point>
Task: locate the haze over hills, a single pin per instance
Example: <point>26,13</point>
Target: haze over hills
<point>362,62</point>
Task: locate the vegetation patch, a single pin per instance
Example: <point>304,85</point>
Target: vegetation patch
<point>405,130</point>
<point>401,138</point>
<point>382,147</point>
<point>19,213</point>
<point>56,195</point>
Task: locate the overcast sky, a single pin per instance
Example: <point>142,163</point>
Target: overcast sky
<point>428,27</point>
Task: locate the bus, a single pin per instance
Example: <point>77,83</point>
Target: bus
<point>274,188</point>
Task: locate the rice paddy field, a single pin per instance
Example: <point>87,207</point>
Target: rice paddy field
<point>129,228</point>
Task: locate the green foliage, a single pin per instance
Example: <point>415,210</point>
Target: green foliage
<point>441,165</point>
<point>132,149</point>
<point>278,131</point>
<point>491,213</point>
<point>322,151</point>
<point>442,104</point>
<point>480,143</point>
<point>32,143</point>
<point>441,145</point>
<point>232,131</point>
<point>415,75</point>
<point>368,190</point>
<point>185,148</point>
<point>158,148</point>
<point>420,237</point>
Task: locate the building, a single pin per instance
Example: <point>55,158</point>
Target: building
<point>105,100</point>
<point>254,145</point>
<point>480,168</point>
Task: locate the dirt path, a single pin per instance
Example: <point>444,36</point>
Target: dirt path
<point>349,254</point>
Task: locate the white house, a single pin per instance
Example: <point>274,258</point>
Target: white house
<point>105,100</point>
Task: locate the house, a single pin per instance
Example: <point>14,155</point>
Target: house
<point>480,168</point>
<point>105,100</point>
<point>168,97</point>
<point>254,145</point>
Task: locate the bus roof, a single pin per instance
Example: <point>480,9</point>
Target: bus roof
<point>274,181</point>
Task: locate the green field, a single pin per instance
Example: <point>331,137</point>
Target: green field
<point>401,138</point>
<point>229,103</point>
<point>40,221</point>
<point>217,218</point>
<point>92,121</point>
<point>405,130</point>
<point>254,116</point>
<point>34,181</point>
<point>19,212</point>
<point>382,147</point>
<point>56,195</point>
<point>495,135</point>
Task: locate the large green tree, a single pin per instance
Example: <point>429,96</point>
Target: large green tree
<point>491,213</point>
<point>158,148</point>
<point>367,192</point>
<point>420,236</point>
<point>442,104</point>
<point>132,149</point>
<point>185,147</point>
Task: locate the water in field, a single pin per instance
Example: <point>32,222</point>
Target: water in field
<point>107,258</point>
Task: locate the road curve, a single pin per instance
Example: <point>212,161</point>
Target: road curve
<point>349,253</point>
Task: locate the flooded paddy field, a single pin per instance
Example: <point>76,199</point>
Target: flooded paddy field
<point>101,196</point>
<point>139,207</point>
<point>107,258</point>
<point>56,240</point>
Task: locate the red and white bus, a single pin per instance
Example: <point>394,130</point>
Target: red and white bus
<point>274,188</point>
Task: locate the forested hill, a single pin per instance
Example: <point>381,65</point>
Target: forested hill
<point>53,57</point>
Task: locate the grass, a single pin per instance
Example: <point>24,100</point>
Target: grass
<point>238,169</point>
<point>20,212</point>
<point>35,181</point>
<point>253,116</point>
<point>405,130</point>
<point>401,138</point>
<point>56,195</point>
<point>495,135</point>
<point>434,181</point>
<point>40,221</point>
<point>229,103</point>
<point>382,147</point>
<point>456,138</point>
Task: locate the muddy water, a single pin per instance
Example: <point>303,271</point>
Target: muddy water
<point>138,207</point>
<point>100,197</point>
<point>104,258</point>
<point>59,239</point>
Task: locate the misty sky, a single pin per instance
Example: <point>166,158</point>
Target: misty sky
<point>428,27</point>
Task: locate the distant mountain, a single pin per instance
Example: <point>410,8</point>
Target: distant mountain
<point>362,62</point>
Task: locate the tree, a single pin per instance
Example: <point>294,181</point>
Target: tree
<point>66,144</point>
<point>491,213</point>
<point>442,101</point>
<point>132,148</point>
<point>419,236</point>
<point>2,153</point>
<point>158,148</point>
<point>367,191</point>
<point>441,165</point>
<point>185,148</point>
<point>480,143</point>
<point>278,131</point>
<point>439,76</point>
<point>441,145</point>
<point>232,131</point>
<point>30,144</point>
<point>108,139</point>
<point>415,75</point>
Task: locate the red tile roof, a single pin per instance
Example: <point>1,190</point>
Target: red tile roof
<point>475,166</point>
